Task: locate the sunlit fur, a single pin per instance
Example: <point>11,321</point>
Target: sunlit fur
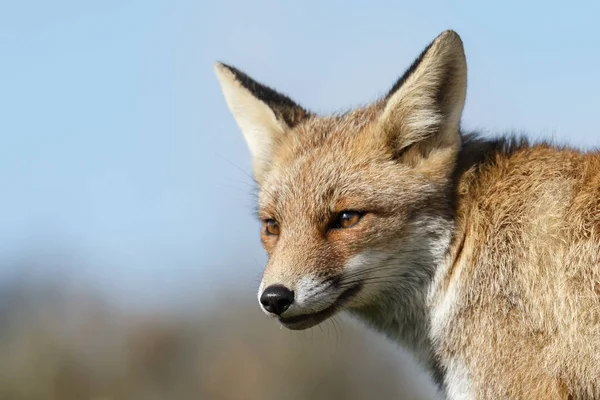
<point>480,256</point>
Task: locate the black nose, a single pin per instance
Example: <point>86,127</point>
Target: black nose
<point>276,299</point>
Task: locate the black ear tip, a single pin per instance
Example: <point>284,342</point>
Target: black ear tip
<point>240,75</point>
<point>223,72</point>
<point>221,66</point>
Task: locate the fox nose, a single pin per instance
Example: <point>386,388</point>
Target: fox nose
<point>276,299</point>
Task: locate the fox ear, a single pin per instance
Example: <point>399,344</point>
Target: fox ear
<point>422,111</point>
<point>263,115</point>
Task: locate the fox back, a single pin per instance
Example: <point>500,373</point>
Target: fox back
<point>480,256</point>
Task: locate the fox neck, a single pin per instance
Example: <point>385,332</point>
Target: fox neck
<point>400,311</point>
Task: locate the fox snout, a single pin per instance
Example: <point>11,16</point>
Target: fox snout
<point>307,302</point>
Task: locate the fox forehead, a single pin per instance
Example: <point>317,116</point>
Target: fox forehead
<point>330,164</point>
<point>329,132</point>
<point>318,158</point>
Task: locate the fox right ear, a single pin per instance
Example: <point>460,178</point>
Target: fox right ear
<point>423,109</point>
<point>263,115</point>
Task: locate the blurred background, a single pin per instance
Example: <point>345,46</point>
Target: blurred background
<point>129,255</point>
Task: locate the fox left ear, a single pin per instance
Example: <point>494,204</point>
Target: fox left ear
<point>263,115</point>
<point>422,111</point>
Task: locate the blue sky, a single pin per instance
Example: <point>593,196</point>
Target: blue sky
<point>120,161</point>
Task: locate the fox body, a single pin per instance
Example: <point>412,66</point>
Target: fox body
<point>481,256</point>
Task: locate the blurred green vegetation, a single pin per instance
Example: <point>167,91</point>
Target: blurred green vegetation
<point>59,344</point>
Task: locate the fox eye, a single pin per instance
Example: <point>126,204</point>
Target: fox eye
<point>346,219</point>
<point>271,227</point>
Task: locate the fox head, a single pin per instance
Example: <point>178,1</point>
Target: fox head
<point>354,207</point>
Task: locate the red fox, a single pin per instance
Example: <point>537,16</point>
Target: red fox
<point>480,256</point>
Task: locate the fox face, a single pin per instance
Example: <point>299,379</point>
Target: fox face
<point>355,207</point>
